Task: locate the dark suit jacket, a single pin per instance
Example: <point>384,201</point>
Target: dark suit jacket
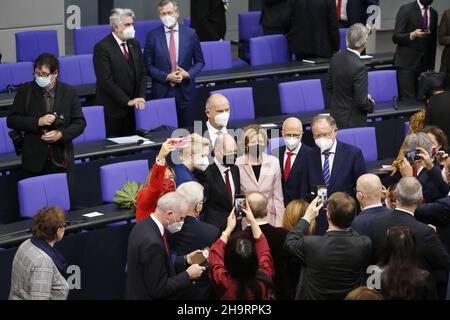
<point>420,54</point>
<point>333,264</point>
<point>430,252</point>
<point>291,188</point>
<point>118,81</point>
<point>364,221</point>
<point>437,214</point>
<point>433,185</point>
<point>151,274</point>
<point>275,14</point>
<point>357,11</point>
<point>208,19</point>
<point>348,84</point>
<point>314,29</point>
<point>25,118</point>
<point>217,206</point>
<point>157,61</point>
<point>437,112</point>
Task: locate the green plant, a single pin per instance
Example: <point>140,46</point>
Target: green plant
<point>127,196</point>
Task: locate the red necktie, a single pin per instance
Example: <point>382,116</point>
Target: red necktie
<point>287,166</point>
<point>164,237</point>
<point>414,172</point>
<point>228,185</point>
<point>125,51</point>
<point>173,53</point>
<point>339,8</point>
<point>425,18</point>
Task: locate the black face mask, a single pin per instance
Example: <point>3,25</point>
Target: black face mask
<point>426,3</point>
<point>229,160</point>
<point>256,150</point>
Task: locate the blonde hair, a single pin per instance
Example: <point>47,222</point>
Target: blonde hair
<point>296,210</point>
<point>254,129</point>
<point>195,145</point>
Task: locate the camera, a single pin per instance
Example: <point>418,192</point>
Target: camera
<point>58,124</point>
<point>412,156</point>
<point>437,159</point>
<point>239,204</point>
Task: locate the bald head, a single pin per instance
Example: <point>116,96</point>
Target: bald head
<point>370,188</point>
<point>258,204</point>
<point>225,145</point>
<point>292,126</point>
<point>215,105</point>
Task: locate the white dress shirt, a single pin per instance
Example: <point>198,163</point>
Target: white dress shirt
<point>331,157</point>
<point>355,52</point>
<point>176,35</point>
<point>343,16</point>
<point>159,224</point>
<point>294,156</point>
<point>222,170</point>
<point>119,43</point>
<point>372,206</point>
<point>214,133</point>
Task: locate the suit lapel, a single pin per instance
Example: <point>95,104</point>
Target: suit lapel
<point>281,157</point>
<point>418,15</point>
<point>58,98</point>
<point>118,52</point>
<point>249,170</point>
<point>38,96</point>
<point>337,163</point>
<point>181,42</point>
<point>318,166</point>
<point>163,44</point>
<point>221,185</point>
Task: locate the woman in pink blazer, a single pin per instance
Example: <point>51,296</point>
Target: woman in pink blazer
<point>261,172</point>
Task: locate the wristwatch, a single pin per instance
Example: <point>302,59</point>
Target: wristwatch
<point>160,162</point>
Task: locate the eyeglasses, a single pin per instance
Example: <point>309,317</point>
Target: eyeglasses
<point>43,74</point>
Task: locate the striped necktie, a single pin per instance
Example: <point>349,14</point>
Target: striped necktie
<point>326,168</point>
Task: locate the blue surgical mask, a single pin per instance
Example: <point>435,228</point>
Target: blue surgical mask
<point>43,82</point>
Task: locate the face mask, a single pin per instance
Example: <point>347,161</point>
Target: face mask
<point>292,143</point>
<point>128,33</point>
<point>229,160</point>
<point>426,3</point>
<point>256,150</point>
<point>175,227</point>
<point>43,82</point>
<point>168,185</point>
<point>201,164</point>
<point>222,119</point>
<point>169,21</point>
<point>324,144</point>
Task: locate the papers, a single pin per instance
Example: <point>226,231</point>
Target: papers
<point>269,125</point>
<point>316,61</point>
<point>131,139</point>
<point>93,215</point>
<point>366,57</point>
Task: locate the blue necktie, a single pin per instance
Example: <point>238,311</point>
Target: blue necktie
<point>326,168</point>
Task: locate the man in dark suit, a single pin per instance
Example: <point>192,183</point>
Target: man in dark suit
<point>416,37</point>
<point>208,19</point>
<point>350,12</point>
<point>173,58</point>
<point>222,182</point>
<point>48,113</point>
<point>193,235</point>
<point>151,273</point>
<point>313,30</point>
<point>120,73</point>
<point>275,16</point>
<point>437,112</point>
<point>275,237</point>
<point>333,264</point>
<point>348,82</point>
<point>291,158</point>
<point>331,163</point>
<point>431,254</point>
<point>218,112</point>
<point>369,195</point>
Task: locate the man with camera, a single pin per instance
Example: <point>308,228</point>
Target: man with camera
<point>46,116</point>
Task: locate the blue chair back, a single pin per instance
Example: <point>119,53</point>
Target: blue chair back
<point>159,112</point>
<point>363,138</point>
<point>85,38</point>
<point>30,44</point>
<point>269,50</point>
<point>301,96</point>
<point>241,103</point>
<point>217,55</point>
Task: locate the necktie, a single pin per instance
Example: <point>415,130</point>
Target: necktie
<point>414,171</point>
<point>287,166</point>
<point>164,237</point>
<point>47,102</point>
<point>425,18</point>
<point>173,51</point>
<point>339,9</point>
<point>125,51</point>
<point>326,168</point>
<point>228,185</point>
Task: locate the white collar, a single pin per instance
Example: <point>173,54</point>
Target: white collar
<point>175,28</point>
<point>221,167</point>
<point>211,129</point>
<point>119,41</point>
<point>372,206</point>
<point>296,150</point>
<point>406,211</point>
<point>355,52</point>
<point>159,224</point>
<point>422,6</point>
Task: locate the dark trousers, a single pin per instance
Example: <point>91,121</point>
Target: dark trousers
<point>273,30</point>
<point>120,127</point>
<point>407,84</point>
<point>185,111</point>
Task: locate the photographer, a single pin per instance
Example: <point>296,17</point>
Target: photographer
<point>46,116</point>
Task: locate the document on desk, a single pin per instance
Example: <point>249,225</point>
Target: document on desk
<point>130,140</point>
<point>93,215</point>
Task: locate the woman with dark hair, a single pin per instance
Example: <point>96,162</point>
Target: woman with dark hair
<point>39,270</point>
<point>241,269</point>
<point>401,278</point>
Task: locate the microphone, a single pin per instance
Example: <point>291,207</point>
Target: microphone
<point>395,100</point>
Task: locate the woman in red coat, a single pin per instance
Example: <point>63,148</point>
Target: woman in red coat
<point>241,269</point>
<point>160,180</point>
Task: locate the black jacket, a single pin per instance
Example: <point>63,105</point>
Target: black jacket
<point>420,54</point>
<point>348,84</point>
<point>151,274</point>
<point>217,206</point>
<point>314,29</point>
<point>118,80</point>
<point>275,14</point>
<point>333,264</point>
<point>363,222</point>
<point>437,112</point>
<point>25,118</point>
<point>208,19</point>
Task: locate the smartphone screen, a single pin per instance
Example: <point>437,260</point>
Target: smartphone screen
<point>239,204</point>
<point>178,142</point>
<point>322,193</point>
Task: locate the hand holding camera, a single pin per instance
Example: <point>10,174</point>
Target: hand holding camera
<point>46,120</point>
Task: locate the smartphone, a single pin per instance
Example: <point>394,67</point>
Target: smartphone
<point>239,204</point>
<point>437,159</point>
<point>322,193</point>
<point>426,30</point>
<point>201,258</point>
<point>412,156</point>
<point>178,142</point>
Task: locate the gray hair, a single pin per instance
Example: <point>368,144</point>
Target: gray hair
<point>326,117</point>
<point>118,14</point>
<point>409,192</point>
<point>357,36</point>
<point>258,203</point>
<point>164,3</point>
<point>172,201</point>
<point>192,192</point>
<point>418,140</point>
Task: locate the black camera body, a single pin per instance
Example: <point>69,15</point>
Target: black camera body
<point>58,124</point>
<point>412,156</point>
